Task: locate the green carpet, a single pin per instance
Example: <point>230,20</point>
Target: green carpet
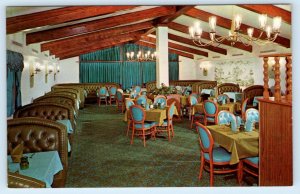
<point>103,157</point>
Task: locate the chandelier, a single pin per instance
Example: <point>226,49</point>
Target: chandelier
<point>141,56</point>
<point>235,34</point>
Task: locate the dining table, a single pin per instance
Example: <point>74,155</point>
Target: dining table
<point>240,144</point>
<point>42,166</point>
<point>236,96</point>
<point>231,107</point>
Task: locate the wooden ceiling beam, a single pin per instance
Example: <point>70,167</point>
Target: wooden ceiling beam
<point>170,50</point>
<point>100,24</point>
<point>226,23</point>
<point>205,35</point>
<point>270,10</point>
<point>97,45</point>
<point>166,19</point>
<point>176,46</point>
<point>191,43</point>
<point>95,36</point>
<point>58,16</point>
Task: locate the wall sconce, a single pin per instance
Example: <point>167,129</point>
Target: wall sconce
<point>36,70</point>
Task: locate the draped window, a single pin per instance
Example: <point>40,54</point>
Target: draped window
<point>110,65</point>
<point>14,70</point>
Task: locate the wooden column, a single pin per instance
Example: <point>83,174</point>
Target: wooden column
<point>277,87</point>
<point>266,78</point>
<point>288,78</point>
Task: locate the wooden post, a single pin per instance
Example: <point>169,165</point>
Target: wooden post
<point>277,88</point>
<point>288,78</point>
<point>266,78</point>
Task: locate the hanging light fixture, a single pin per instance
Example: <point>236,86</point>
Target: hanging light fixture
<point>235,35</point>
<point>141,56</point>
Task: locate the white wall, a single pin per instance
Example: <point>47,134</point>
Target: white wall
<point>30,57</point>
<point>69,71</point>
<point>187,68</point>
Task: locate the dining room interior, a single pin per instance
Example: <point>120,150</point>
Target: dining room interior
<point>149,96</point>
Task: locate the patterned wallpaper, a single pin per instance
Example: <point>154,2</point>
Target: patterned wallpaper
<point>235,71</point>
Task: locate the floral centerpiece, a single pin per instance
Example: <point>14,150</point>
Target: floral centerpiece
<point>164,90</point>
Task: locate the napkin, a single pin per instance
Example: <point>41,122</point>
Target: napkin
<point>223,101</point>
<point>248,124</point>
<point>17,153</point>
<point>147,106</point>
<point>238,121</point>
<point>233,125</point>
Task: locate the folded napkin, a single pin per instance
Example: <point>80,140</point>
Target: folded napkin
<point>249,125</point>
<point>238,121</point>
<point>17,153</point>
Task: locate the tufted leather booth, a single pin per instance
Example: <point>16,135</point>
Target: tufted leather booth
<point>77,90</point>
<point>152,85</point>
<point>228,87</point>
<point>16,180</point>
<point>39,135</point>
<point>47,110</point>
<point>58,99</point>
<point>91,88</point>
<point>251,92</point>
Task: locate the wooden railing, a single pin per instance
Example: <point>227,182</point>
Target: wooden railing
<point>277,87</point>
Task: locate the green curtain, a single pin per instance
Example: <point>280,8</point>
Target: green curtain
<point>173,70</point>
<point>148,71</point>
<point>10,77</point>
<point>109,54</point>
<point>100,72</point>
<point>131,74</point>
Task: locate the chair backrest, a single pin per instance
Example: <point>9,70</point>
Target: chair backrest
<point>225,117</point>
<point>128,103</point>
<point>102,91</point>
<point>177,104</point>
<point>192,100</point>
<point>137,89</point>
<point>243,108</point>
<point>228,87</point>
<point>160,99</point>
<point>205,138</point>
<point>16,180</point>
<point>252,114</point>
<point>176,96</point>
<point>119,96</point>
<point>141,100</point>
<point>112,90</point>
<point>143,93</point>
<point>137,114</point>
<point>222,97</point>
<point>171,111</point>
<point>210,108</point>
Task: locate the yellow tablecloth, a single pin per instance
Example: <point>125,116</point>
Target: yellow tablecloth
<point>241,144</point>
<point>157,115</point>
<point>231,107</point>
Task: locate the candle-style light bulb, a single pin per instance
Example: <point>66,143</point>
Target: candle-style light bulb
<point>237,22</point>
<point>250,32</point>
<point>212,23</point>
<point>268,31</point>
<point>276,23</point>
<point>262,20</point>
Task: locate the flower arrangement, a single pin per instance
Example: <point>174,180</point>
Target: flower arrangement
<point>163,90</point>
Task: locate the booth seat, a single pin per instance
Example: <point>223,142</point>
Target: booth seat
<point>228,87</point>
<point>79,91</point>
<point>152,85</point>
<point>39,135</point>
<point>47,110</point>
<point>251,92</point>
<point>199,86</point>
<point>90,89</point>
<point>16,180</point>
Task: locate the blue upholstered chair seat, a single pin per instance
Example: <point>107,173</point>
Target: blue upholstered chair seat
<point>219,155</point>
<point>147,125</point>
<point>253,160</point>
<point>211,119</point>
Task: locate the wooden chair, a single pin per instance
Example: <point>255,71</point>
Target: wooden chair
<point>16,180</point>
<point>213,156</point>
<point>168,123</point>
<point>177,105</point>
<point>222,97</point>
<point>160,99</point>
<point>128,104</point>
<point>197,115</point>
<point>242,112</point>
<point>225,117</point>
<point>252,114</point>
<point>120,101</point>
<point>112,94</point>
<point>102,95</point>
<point>141,99</point>
<point>250,166</point>
<point>210,112</point>
<point>139,126</point>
